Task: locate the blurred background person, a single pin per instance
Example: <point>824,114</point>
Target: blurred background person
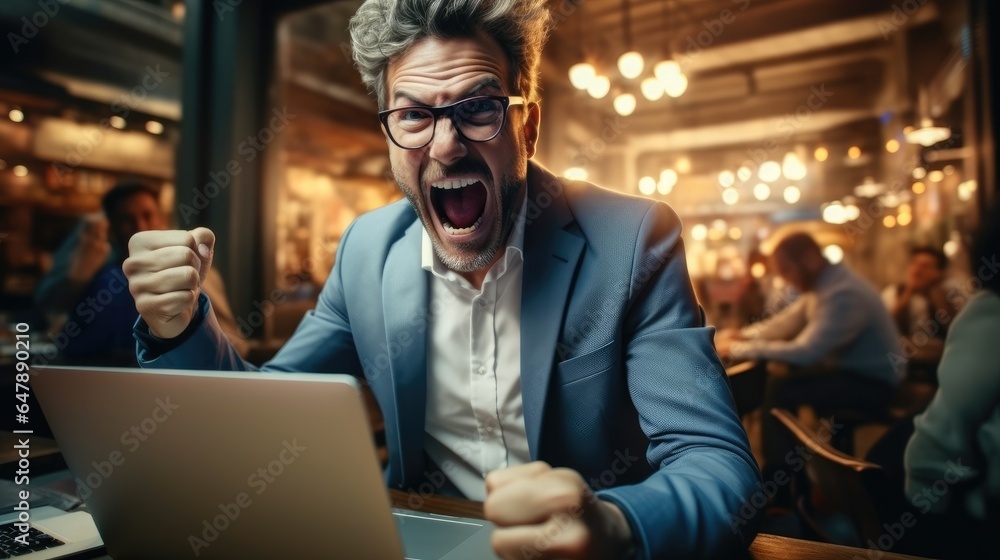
<point>956,441</point>
<point>922,310</point>
<point>836,338</point>
<point>87,286</point>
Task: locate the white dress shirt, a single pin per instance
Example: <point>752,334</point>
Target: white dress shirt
<point>475,420</point>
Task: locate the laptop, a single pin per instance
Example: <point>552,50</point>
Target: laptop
<point>221,465</point>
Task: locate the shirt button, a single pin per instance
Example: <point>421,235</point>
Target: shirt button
<point>482,303</point>
<point>482,370</point>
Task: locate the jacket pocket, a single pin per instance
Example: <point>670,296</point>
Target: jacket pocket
<point>587,365</point>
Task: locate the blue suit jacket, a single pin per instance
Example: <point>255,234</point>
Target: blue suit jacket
<point>616,361</point>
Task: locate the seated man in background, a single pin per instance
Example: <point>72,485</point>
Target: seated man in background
<point>921,308</point>
<point>86,283</point>
<point>837,338</point>
<point>507,321</point>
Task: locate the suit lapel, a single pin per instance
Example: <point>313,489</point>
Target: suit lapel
<point>404,300</point>
<point>550,258</point>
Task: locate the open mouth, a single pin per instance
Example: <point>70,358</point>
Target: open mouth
<point>459,204</point>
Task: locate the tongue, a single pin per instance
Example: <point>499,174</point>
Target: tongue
<point>463,206</point>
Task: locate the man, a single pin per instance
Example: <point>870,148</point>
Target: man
<point>837,337</point>
<point>920,306</point>
<point>86,281</point>
<point>506,320</point>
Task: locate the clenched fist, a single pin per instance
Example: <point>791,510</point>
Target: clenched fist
<point>165,270</point>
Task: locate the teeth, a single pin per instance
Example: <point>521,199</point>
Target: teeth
<point>453,183</point>
<point>452,230</point>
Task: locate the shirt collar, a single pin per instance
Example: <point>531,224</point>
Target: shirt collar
<point>430,262</point>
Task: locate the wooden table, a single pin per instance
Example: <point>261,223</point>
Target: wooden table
<point>764,547</point>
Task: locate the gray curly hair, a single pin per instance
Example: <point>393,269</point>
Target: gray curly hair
<point>382,30</point>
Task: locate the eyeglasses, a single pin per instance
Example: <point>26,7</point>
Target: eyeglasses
<point>477,119</point>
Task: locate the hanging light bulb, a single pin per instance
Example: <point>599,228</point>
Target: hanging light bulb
<point>666,69</point>
<point>668,179</point>
<point>625,104</point>
<point>652,89</point>
<point>792,194</point>
<point>581,74</point>
<point>769,171</point>
<point>726,178</point>
<point>676,86</point>
<point>599,87</point>
<point>792,167</point>
<point>647,185</point>
<point>730,196</point>
<point>744,173</point>
<point>761,191</point>
<point>631,64</point>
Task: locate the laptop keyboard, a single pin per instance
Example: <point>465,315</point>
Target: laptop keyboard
<point>37,540</point>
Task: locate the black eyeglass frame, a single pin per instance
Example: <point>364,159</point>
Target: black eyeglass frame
<point>437,112</point>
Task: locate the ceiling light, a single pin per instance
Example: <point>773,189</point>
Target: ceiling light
<point>792,194</point>
<point>666,69</point>
<point>676,86</point>
<point>647,185</point>
<point>761,191</point>
<point>889,221</point>
<point>919,172</point>
<point>16,115</point>
<point>599,87</point>
<point>117,122</point>
<point>928,134</point>
<point>744,173</point>
<point>919,187</point>
<point>949,169</point>
<point>792,167</point>
<point>668,179</point>
<point>769,171</point>
<point>854,152</point>
<point>581,74</point>
<point>652,89</point>
<point>869,188</point>
<point>20,171</point>
<point>683,164</point>
<point>735,233</point>
<point>699,232</point>
<point>852,212</point>
<point>835,213</point>
<point>630,64</point>
<point>833,253</point>
<point>936,176</point>
<point>758,270</point>
<point>730,196</point>
<point>154,127</point>
<point>625,104</point>
<point>576,174</point>
<point>821,154</point>
<point>892,146</point>
<point>720,225</point>
<point>726,178</point>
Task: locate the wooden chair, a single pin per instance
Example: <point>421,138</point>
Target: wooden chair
<point>832,482</point>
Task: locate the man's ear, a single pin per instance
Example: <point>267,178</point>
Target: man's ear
<point>532,123</point>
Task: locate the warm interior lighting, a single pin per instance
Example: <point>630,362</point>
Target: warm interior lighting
<point>833,253</point>
<point>735,233</point>
<point>726,178</point>
<point>854,152</point>
<point>889,221</point>
<point>581,74</point>
<point>966,189</point>
<point>576,174</point>
<point>950,248</point>
<point>631,64</point>
<point>792,194</point>
<point>177,10</point>
<point>676,85</point>
<point>835,213</point>
<point>919,172</point>
<point>20,171</point>
<point>949,169</point>
<point>683,164</point>
<point>928,134</point>
<point>716,234</point>
<point>668,179</point>
<point>744,173</point>
<point>935,176</point>
<point>599,87</point>
<point>154,127</point>
<point>117,122</point>
<point>769,171</point>
<point>904,219</point>
<point>730,196</point>
<point>852,212</point>
<point>761,191</point>
<point>647,185</point>
<point>652,89</point>
<point>16,115</point>
<point>792,167</point>
<point>699,232</point>
<point>892,146</point>
<point>666,69</point>
<point>919,187</point>
<point>821,154</point>
<point>625,104</point>
<point>758,270</point>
